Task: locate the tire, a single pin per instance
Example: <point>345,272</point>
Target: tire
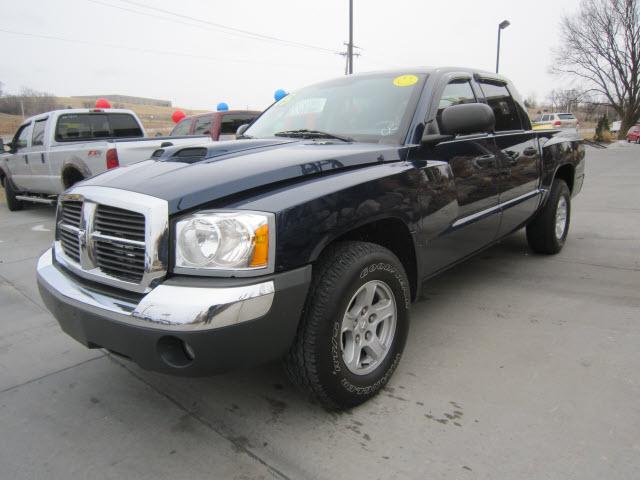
<point>12,202</point>
<point>547,232</point>
<point>327,336</point>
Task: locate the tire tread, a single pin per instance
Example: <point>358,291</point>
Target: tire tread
<point>541,230</point>
<point>13,204</point>
<point>300,364</point>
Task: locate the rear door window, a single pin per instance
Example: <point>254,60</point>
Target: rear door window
<point>566,116</point>
<point>92,126</point>
<point>203,125</point>
<point>37,138</point>
<point>232,121</point>
<point>503,106</point>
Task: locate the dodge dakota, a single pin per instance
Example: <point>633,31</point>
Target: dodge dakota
<point>309,239</point>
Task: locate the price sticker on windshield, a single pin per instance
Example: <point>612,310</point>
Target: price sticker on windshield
<point>405,80</point>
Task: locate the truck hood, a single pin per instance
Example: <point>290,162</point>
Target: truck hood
<point>236,166</point>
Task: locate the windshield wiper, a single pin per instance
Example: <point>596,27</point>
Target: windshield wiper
<point>304,133</point>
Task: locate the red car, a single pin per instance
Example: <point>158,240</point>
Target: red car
<point>220,125</point>
<point>633,135</point>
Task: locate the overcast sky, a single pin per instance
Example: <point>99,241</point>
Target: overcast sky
<point>197,65</point>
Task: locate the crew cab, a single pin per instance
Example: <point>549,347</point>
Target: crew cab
<point>54,150</point>
<point>309,239</point>
<point>217,125</point>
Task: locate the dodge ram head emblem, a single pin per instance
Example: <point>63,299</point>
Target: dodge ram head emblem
<point>82,238</point>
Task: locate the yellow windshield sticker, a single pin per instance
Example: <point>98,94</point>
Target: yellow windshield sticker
<point>405,80</point>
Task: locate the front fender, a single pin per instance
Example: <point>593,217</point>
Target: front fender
<point>315,212</point>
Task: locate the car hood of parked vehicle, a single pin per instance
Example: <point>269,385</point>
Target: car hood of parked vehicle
<point>229,168</point>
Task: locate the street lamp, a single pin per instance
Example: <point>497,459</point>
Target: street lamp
<point>501,27</point>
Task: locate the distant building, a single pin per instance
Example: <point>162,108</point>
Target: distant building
<point>127,99</point>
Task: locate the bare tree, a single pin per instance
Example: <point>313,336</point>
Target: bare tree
<point>565,100</point>
<point>531,101</point>
<point>29,102</point>
<point>601,46</point>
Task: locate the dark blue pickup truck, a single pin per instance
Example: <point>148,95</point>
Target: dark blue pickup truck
<point>309,238</point>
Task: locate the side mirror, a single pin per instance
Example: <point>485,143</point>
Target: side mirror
<point>241,129</point>
<point>467,118</point>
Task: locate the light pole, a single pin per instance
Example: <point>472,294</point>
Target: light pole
<point>350,46</point>
<point>501,27</point>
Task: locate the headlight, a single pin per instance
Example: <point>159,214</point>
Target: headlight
<point>231,242</point>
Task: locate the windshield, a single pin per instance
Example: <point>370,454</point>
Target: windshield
<point>373,108</point>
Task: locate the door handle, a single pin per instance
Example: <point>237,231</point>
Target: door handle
<point>530,152</point>
<point>42,157</point>
<point>512,156</point>
<point>26,159</point>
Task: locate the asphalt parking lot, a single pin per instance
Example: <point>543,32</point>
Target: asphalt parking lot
<point>517,366</point>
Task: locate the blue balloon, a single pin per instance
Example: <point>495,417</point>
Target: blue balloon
<point>222,107</point>
<point>280,94</point>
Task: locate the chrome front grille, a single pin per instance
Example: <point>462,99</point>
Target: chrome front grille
<point>119,246</point>
<point>70,216</point>
<point>113,237</point>
<point>71,213</point>
<point>117,222</point>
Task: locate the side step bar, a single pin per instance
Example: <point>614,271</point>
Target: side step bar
<point>28,198</point>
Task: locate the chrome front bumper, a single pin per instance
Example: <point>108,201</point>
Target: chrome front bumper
<point>166,307</point>
<point>186,326</point>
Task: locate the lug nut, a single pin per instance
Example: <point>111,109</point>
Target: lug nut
<point>372,318</point>
<point>357,338</point>
<point>364,311</point>
<point>367,336</point>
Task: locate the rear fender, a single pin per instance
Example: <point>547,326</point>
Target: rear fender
<point>81,166</point>
<point>563,151</point>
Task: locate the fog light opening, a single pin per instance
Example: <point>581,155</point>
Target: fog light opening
<point>175,352</point>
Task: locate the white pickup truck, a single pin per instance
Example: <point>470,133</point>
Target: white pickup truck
<point>52,151</point>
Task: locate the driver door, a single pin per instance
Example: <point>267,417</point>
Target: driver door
<point>19,160</point>
<point>474,163</point>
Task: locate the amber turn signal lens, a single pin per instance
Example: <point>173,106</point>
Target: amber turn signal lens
<point>261,250</point>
